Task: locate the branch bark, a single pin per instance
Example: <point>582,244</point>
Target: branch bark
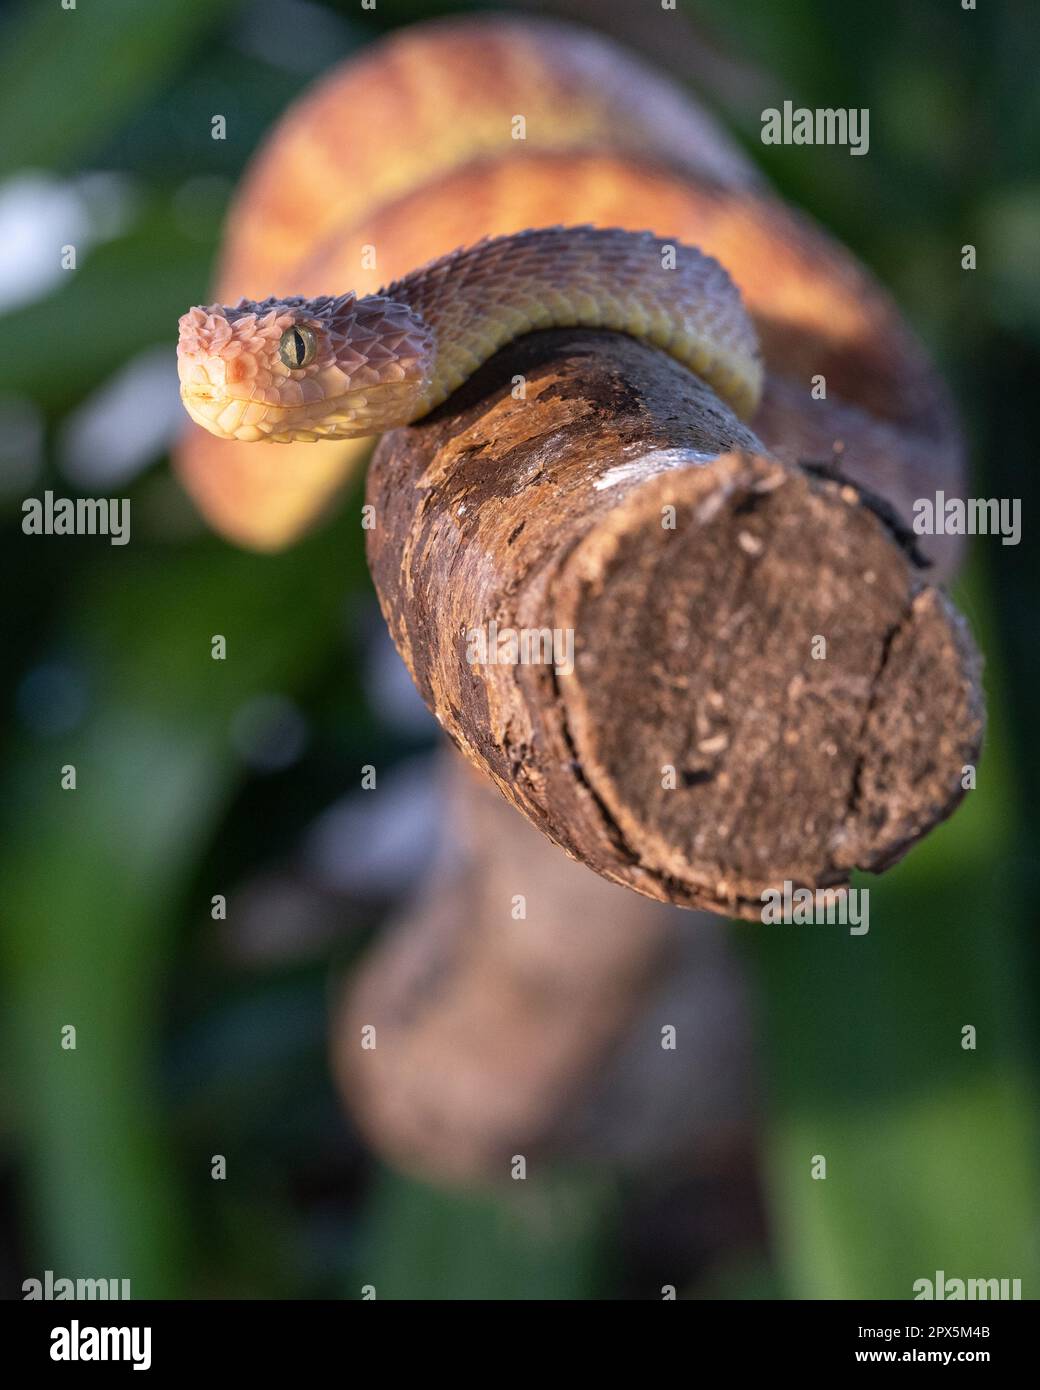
<point>765,687</point>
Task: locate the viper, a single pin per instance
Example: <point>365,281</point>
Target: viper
<point>470,180</point>
<point>340,367</point>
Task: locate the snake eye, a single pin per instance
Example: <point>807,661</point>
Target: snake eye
<point>297,346</point>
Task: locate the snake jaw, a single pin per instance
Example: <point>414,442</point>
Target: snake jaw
<point>372,363</point>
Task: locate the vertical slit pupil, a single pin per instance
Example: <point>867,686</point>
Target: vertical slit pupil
<point>300,346</point>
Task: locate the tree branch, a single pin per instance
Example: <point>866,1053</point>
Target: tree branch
<point>519,1006</point>
<point>765,686</point>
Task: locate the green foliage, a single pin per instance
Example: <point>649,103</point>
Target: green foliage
<point>80,72</point>
<point>105,906</point>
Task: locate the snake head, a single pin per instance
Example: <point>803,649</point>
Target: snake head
<point>303,369</point>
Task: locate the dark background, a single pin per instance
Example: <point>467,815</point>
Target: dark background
<point>195,778</point>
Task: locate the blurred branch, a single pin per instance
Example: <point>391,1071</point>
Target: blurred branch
<point>520,1007</point>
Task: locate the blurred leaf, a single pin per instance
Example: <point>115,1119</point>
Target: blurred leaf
<point>541,1238</point>
<point>92,876</point>
<point>126,296</point>
<point>108,55</point>
<point>930,1148</point>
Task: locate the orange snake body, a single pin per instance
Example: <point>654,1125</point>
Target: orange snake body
<point>452,132</point>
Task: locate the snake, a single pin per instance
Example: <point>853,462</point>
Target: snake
<point>466,181</point>
<point>343,367</point>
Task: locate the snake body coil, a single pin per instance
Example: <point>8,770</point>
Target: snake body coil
<point>343,367</point>
<point>409,151</point>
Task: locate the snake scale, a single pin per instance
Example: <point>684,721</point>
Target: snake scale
<point>342,367</point>
<point>583,189</point>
